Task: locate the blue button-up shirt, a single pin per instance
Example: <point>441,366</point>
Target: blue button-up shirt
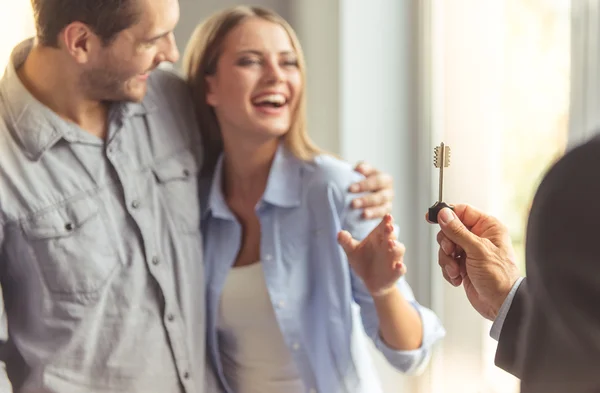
<point>303,208</point>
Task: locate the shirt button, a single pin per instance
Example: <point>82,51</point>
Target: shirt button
<point>186,375</point>
<point>268,257</point>
<point>281,304</point>
<point>135,204</point>
<point>170,317</point>
<point>155,261</point>
<point>186,173</point>
<point>296,346</point>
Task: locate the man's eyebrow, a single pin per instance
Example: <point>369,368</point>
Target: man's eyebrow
<point>157,37</point>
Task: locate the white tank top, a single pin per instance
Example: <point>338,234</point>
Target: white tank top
<point>253,351</point>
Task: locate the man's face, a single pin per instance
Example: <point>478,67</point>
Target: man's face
<point>119,71</point>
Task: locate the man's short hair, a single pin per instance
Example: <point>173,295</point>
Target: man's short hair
<point>105,17</point>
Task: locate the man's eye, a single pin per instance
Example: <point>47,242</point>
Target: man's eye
<point>290,63</point>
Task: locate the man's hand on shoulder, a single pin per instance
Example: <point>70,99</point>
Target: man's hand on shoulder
<point>379,188</point>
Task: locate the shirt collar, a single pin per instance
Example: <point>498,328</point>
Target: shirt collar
<point>284,184</point>
<point>34,125</point>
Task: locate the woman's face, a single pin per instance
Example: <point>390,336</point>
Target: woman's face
<point>256,86</point>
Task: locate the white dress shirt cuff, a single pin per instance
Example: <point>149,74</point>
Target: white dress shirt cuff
<point>499,321</point>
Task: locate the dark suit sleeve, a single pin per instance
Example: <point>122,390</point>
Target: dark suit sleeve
<point>508,347</point>
<point>557,348</point>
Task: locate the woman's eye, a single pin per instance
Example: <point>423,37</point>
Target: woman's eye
<point>248,61</point>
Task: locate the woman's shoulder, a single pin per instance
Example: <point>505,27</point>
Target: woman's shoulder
<point>328,178</point>
<point>327,170</point>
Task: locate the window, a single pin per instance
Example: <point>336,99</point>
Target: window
<point>536,101</point>
<point>500,98</point>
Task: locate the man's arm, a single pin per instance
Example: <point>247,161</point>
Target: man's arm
<point>512,327</point>
<point>5,385</point>
<point>559,348</point>
<point>504,309</point>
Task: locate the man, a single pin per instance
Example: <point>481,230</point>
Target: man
<point>100,245</point>
<point>548,325</point>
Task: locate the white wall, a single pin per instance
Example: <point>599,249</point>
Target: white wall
<point>584,119</point>
<point>194,11</point>
<point>16,24</point>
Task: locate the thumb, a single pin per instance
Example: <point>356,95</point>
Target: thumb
<point>348,243</point>
<point>455,230</point>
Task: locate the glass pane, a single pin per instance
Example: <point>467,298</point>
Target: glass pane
<point>536,100</point>
<point>537,82</point>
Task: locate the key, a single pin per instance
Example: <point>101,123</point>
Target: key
<point>441,160</point>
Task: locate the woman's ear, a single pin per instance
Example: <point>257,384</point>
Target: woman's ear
<point>211,96</point>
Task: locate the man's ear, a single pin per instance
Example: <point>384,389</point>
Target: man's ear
<point>80,41</point>
<point>211,97</point>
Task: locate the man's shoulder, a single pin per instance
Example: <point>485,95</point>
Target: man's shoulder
<point>579,164</point>
<point>170,97</point>
<point>167,87</point>
<point>163,77</point>
<point>588,150</point>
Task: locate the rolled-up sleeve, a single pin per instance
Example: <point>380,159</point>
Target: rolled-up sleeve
<point>411,361</point>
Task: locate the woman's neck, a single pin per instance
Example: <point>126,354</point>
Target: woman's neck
<point>246,171</point>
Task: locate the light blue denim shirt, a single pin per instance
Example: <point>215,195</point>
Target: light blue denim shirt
<point>313,290</point>
<point>101,268</point>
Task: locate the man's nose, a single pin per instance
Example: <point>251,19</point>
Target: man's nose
<point>171,53</point>
<point>168,52</point>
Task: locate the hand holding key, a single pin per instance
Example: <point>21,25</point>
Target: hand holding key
<point>486,268</point>
<point>441,160</point>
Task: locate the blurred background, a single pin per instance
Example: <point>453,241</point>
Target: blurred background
<point>508,84</point>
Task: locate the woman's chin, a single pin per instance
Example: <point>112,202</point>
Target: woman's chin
<point>273,131</point>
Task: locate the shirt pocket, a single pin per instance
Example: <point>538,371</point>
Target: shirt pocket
<point>177,178</point>
<point>73,247</point>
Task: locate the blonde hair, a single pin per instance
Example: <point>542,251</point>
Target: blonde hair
<point>200,59</point>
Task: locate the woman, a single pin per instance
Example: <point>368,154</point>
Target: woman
<point>281,294</point>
